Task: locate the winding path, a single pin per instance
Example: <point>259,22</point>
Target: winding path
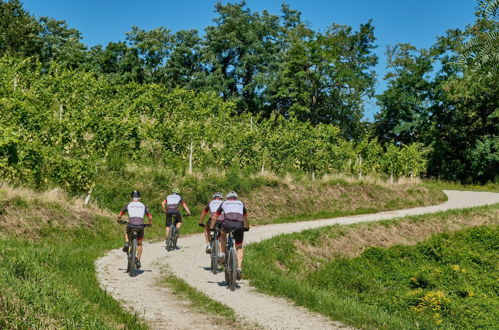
<point>162,310</point>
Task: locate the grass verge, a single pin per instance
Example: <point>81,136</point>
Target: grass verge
<point>220,313</point>
<point>445,280</point>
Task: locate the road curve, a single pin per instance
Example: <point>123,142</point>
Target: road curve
<point>162,310</point>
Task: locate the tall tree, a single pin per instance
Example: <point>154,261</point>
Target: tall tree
<point>238,52</point>
<point>19,30</point>
<point>405,105</point>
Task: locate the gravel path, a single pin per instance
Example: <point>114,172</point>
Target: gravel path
<point>163,310</point>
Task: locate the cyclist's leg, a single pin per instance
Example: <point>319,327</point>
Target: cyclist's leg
<point>168,222</point>
<point>207,231</point>
<point>223,242</point>
<point>239,237</point>
<point>140,237</point>
<point>219,226</point>
<point>178,220</point>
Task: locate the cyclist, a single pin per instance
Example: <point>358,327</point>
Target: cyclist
<point>235,217</point>
<point>211,208</point>
<point>171,205</point>
<point>136,211</point>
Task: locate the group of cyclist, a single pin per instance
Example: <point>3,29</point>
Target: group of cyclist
<point>223,216</point>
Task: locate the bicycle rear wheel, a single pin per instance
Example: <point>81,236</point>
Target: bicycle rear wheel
<point>169,240</point>
<point>132,258</point>
<point>232,269</point>
<point>175,237</point>
<point>214,256</point>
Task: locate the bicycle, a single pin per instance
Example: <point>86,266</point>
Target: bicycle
<point>171,240</point>
<point>230,262</point>
<point>132,248</point>
<point>215,250</point>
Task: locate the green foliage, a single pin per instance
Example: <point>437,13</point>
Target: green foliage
<point>67,126</point>
<point>450,108</point>
<point>447,280</point>
<point>68,295</point>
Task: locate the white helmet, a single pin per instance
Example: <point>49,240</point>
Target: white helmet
<point>231,194</point>
<point>218,195</point>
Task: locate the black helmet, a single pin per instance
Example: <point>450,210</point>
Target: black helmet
<point>135,194</point>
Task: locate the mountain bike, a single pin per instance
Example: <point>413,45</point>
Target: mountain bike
<point>171,240</point>
<point>132,249</point>
<point>215,250</point>
<point>231,262</point>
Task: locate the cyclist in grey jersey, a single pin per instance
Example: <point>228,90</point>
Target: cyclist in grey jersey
<point>136,211</point>
<point>171,206</point>
<point>235,217</point>
<point>211,208</point>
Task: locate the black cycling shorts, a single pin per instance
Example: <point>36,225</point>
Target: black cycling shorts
<point>140,231</point>
<point>238,232</point>
<point>173,214</point>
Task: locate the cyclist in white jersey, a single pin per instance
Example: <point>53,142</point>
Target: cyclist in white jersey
<point>235,217</point>
<point>171,206</point>
<point>211,208</point>
<point>136,211</point>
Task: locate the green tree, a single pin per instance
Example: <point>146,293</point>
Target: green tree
<point>19,30</point>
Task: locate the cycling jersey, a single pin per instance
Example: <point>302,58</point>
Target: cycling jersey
<point>233,210</point>
<point>136,211</point>
<point>173,201</point>
<point>212,207</point>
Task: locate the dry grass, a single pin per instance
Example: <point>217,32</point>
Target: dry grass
<point>353,240</point>
<point>26,213</point>
<point>299,198</point>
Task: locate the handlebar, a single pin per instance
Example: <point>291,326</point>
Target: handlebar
<point>123,222</point>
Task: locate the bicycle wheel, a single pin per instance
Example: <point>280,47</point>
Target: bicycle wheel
<point>133,255</point>
<point>232,269</point>
<point>169,241</point>
<point>175,237</point>
<point>214,256</point>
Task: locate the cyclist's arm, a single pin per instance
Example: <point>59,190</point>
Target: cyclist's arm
<point>215,217</point>
<point>121,213</point>
<point>186,208</point>
<point>163,205</point>
<point>245,215</point>
<point>203,214</point>
<point>149,216</point>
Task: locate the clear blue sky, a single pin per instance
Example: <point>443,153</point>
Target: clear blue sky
<point>395,21</point>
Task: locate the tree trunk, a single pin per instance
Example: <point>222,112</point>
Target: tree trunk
<point>313,176</point>
<point>15,81</point>
<point>87,199</point>
<point>190,157</point>
<point>61,109</point>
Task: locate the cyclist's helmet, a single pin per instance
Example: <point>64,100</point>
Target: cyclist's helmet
<point>218,195</point>
<point>135,194</point>
<point>231,194</point>
<point>175,190</point>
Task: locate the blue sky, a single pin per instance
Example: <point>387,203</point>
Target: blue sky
<point>417,22</point>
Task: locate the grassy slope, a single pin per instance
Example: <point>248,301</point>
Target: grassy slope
<point>48,243</point>
<point>448,279</point>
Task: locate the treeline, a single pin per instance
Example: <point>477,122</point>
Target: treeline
<point>255,90</point>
